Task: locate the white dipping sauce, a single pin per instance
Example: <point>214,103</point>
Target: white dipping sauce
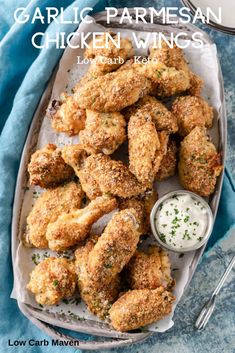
<point>181,221</point>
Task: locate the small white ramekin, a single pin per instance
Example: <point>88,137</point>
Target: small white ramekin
<point>209,225</point>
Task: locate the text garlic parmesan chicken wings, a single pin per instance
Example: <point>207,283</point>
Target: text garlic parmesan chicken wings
<point>190,112</point>
<point>99,174</point>
<point>97,296</point>
<point>112,92</point>
<point>104,132</point>
<point>48,207</point>
<point>114,247</point>
<point>140,307</point>
<point>71,228</point>
<point>52,280</point>
<point>66,116</point>
<point>199,163</point>
<point>174,57</point>
<point>149,269</point>
<point>47,168</point>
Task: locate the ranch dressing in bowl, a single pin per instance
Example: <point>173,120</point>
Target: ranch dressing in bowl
<point>181,221</point>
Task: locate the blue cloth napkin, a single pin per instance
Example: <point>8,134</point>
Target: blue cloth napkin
<point>24,74</point>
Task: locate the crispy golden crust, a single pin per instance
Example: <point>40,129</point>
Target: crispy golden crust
<point>143,205</point>
<point>47,168</point>
<point>71,228</point>
<point>47,209</point>
<point>140,307</point>
<point>104,132</point>
<point>75,156</point>
<point>165,81</point>
<point>149,269</point>
<point>115,247</point>
<point>161,152</point>
<point>113,176</point>
<point>109,51</point>
<point>199,163</point>
<point>196,84</point>
<point>66,116</point>
<point>168,165</point>
<point>174,57</point>
<point>52,280</point>
<point>161,116</point>
<point>98,297</point>
<point>190,112</point>
<point>143,146</point>
<point>112,92</point>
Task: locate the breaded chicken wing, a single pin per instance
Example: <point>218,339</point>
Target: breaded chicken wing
<point>168,164</point>
<point>48,207</point>
<point>174,57</point>
<point>190,112</point>
<point>161,152</point>
<point>112,92</point>
<point>149,269</point>
<point>52,280</point>
<point>104,132</point>
<point>199,163</point>
<point>99,174</point>
<point>66,116</point>
<point>106,55</point>
<point>140,307</point>
<point>165,81</point>
<point>47,168</point>
<point>143,205</point>
<point>75,156</point>
<point>143,146</point>
<point>98,297</point>
<point>113,177</point>
<point>162,117</point>
<point>71,228</point>
<point>115,246</point>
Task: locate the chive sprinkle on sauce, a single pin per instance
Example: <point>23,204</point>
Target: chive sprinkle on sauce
<point>181,221</point>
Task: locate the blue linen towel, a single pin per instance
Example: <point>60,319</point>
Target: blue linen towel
<point>26,71</point>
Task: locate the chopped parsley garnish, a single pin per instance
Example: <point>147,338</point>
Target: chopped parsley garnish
<point>55,282</point>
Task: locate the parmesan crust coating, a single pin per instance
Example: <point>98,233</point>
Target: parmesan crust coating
<point>140,307</point>
<point>113,177</point>
<point>199,163</point>
<point>149,269</point>
<point>98,297</point>
<point>52,280</point>
<point>113,91</point>
<point>115,247</point>
<point>66,116</point>
<point>101,56</point>
<point>143,146</point>
<point>99,174</point>
<point>143,205</point>
<point>48,207</point>
<point>168,165</point>
<point>190,112</point>
<point>47,168</point>
<point>104,132</point>
<point>174,57</point>
<point>75,156</point>
<point>161,116</point>
<point>71,228</point>
<point>165,81</point>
